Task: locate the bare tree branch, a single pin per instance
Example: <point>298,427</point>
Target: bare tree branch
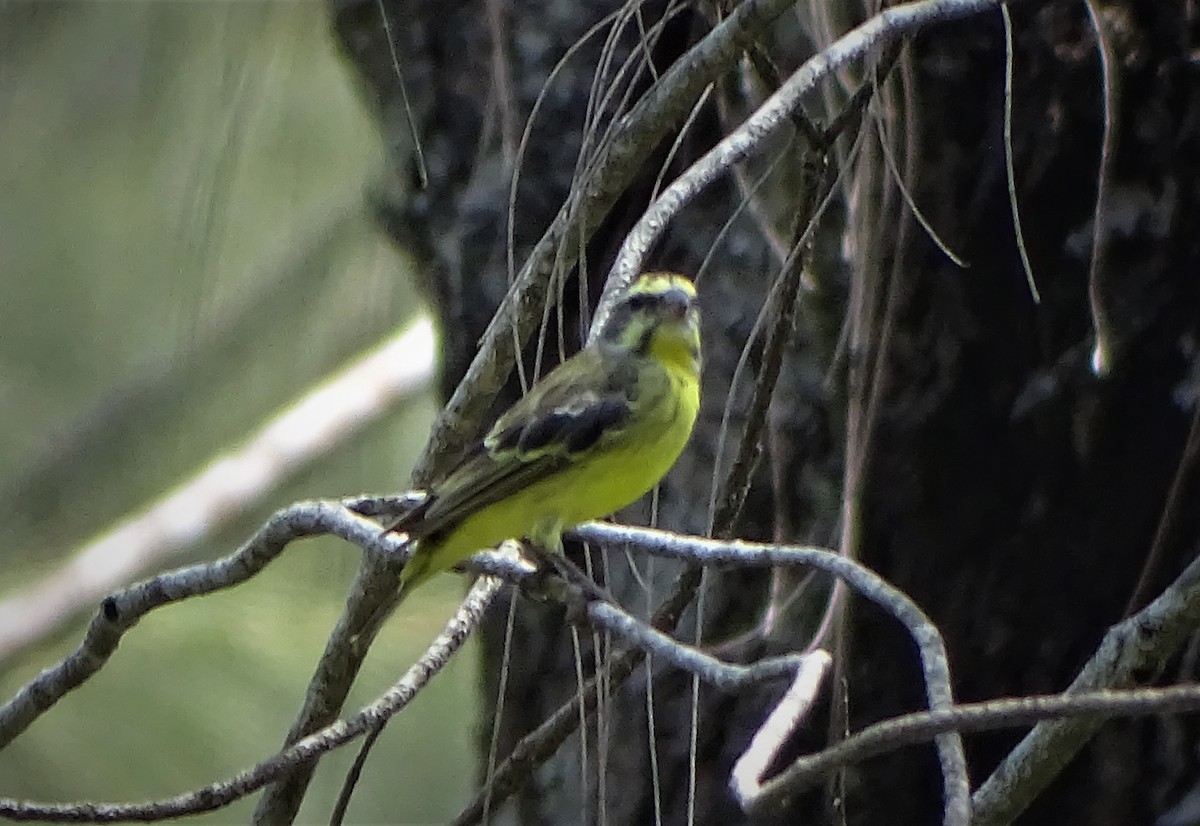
<point>781,723</point>
<point>1130,653</point>
<point>304,751</point>
<point>932,650</point>
<point>121,611</point>
<point>897,732</point>
<point>720,675</point>
<point>882,30</point>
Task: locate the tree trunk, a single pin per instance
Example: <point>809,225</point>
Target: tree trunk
<point>984,468</point>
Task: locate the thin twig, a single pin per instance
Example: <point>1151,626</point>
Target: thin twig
<point>1170,525</point>
<point>746,779</point>
<point>1100,301</point>
<point>752,136</point>
<point>783,309</point>
<point>919,727</point>
<point>721,675</point>
<point>1009,163</point>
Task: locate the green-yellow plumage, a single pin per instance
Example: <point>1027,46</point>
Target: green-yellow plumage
<point>594,435</point>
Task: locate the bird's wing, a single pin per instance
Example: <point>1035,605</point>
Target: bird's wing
<point>538,436</point>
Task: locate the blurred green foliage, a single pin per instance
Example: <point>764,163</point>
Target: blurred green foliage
<point>185,246</point>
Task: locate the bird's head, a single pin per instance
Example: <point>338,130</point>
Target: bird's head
<point>658,316</point>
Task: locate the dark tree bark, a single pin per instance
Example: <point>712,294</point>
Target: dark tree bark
<point>984,468</point>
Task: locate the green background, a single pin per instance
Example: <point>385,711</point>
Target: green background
<point>185,248</point>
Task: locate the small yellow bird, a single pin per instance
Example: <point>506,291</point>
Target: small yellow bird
<point>594,435</point>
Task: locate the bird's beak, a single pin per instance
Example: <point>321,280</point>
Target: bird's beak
<point>677,303</point>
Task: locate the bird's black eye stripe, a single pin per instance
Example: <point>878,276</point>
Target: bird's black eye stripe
<point>672,298</point>
<point>589,425</point>
<point>543,431</point>
<point>641,301</point>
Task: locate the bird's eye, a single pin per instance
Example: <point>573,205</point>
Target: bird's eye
<point>641,301</point>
